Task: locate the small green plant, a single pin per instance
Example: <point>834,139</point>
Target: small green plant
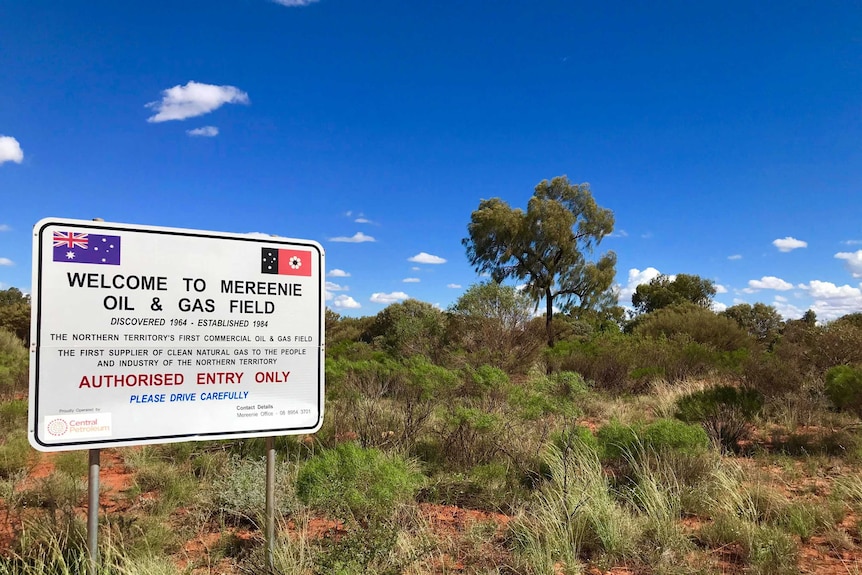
<point>15,453</point>
<point>618,441</point>
<point>239,493</point>
<point>725,412</point>
<point>72,463</point>
<point>349,482</point>
<point>844,388</point>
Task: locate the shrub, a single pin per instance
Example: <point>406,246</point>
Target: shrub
<point>15,453</point>
<point>485,380</point>
<point>471,436</point>
<point>661,436</point>
<point>725,412</point>
<point>844,388</point>
<point>351,482</point>
<point>239,494</point>
<point>14,359</point>
<point>695,323</point>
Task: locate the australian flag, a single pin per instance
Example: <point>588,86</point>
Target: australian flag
<point>83,248</point>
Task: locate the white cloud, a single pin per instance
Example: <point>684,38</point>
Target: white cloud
<point>828,290</point>
<point>415,268</point>
<point>388,298</point>
<point>789,244</point>
<point>619,234</point>
<point>337,273</point>
<point>720,288</point>
<point>718,307</point>
<point>194,99</point>
<point>735,257</point>
<point>205,131</point>
<point>852,242</point>
<point>832,301</point>
<point>362,221</point>
<point>346,302</point>
<point>852,262</point>
<point>10,150</point>
<point>780,298</point>
<point>636,278</point>
<point>423,258</point>
<point>295,3</point>
<point>453,286</point>
<point>768,282</point>
<point>5,228</point>
<point>356,238</point>
<point>330,287</point>
<point>411,280</point>
<point>6,262</point>
<point>787,311</point>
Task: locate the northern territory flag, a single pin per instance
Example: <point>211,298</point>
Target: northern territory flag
<point>285,262</point>
<point>84,248</point>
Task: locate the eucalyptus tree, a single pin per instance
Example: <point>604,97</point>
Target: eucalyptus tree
<point>547,247</point>
<point>663,291</point>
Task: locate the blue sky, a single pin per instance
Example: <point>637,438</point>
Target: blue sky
<point>725,136</point>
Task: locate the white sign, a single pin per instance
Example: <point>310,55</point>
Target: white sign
<point>147,335</point>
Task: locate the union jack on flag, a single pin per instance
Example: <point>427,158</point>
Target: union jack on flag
<point>86,248</point>
<point>71,240</point>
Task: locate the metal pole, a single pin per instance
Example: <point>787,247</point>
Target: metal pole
<point>93,502</point>
<point>93,511</point>
<point>270,503</point>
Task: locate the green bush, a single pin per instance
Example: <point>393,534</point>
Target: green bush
<point>844,388</point>
<point>351,482</point>
<point>14,361</point>
<point>471,435</point>
<point>15,453</point>
<point>725,412</point>
<point>485,380</point>
<point>239,493</point>
<point>617,441</point>
<point>664,435</point>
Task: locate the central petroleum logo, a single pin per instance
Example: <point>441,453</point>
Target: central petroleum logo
<point>57,427</point>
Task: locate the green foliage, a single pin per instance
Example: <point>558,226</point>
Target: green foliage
<point>575,512</point>
<point>72,463</point>
<point>15,453</point>
<point>484,380</point>
<point>351,482</point>
<point>13,414</point>
<point>471,435</point>
<point>664,291</point>
<point>15,313</point>
<point>629,363</point>
<point>761,321</point>
<point>493,325</point>
<point>844,388</point>
<point>687,322</point>
<point>409,328</point>
<point>14,361</point>
<point>239,493</point>
<point>546,246</point>
<point>769,550</point>
<point>546,395</point>
<point>725,412</point>
<point>617,441</point>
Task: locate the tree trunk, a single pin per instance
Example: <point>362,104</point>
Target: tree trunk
<point>549,317</point>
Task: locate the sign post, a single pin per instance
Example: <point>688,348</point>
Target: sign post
<point>145,335</point>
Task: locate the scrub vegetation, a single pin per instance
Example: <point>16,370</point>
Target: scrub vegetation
<point>670,440</point>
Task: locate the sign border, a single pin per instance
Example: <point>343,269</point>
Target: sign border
<point>35,337</point>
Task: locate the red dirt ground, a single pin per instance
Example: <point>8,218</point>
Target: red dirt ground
<point>817,556</point>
